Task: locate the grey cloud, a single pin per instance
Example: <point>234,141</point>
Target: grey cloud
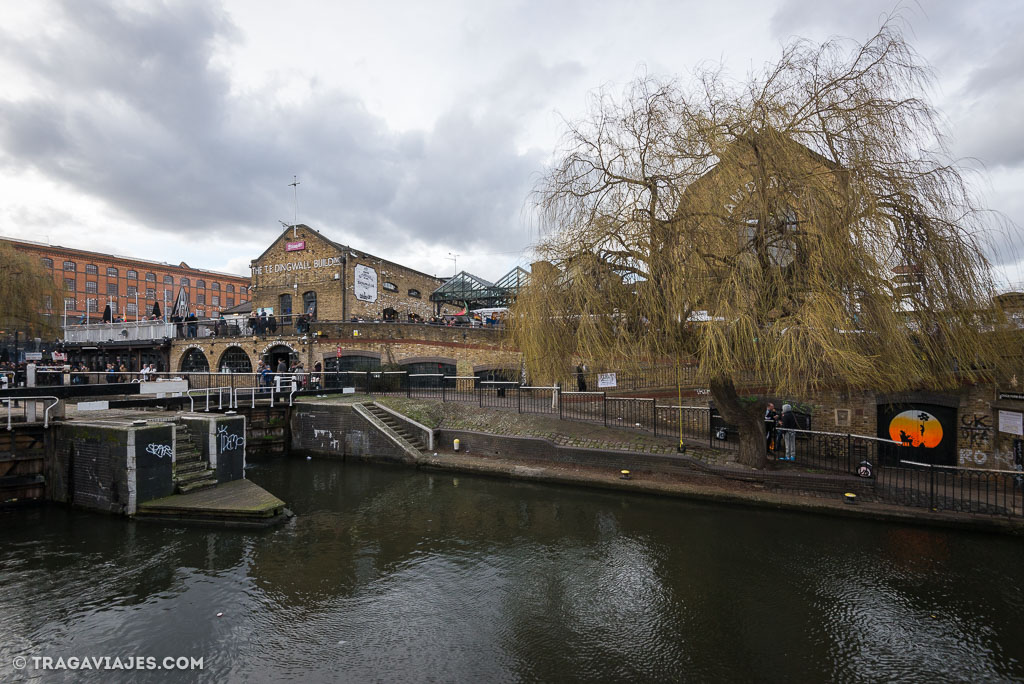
<point>131,110</point>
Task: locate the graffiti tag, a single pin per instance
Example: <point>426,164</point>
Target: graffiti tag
<point>159,450</point>
<point>229,441</point>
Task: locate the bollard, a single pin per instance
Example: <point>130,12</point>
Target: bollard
<point>456,445</point>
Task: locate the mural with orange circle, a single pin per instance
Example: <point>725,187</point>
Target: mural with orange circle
<point>916,428</point>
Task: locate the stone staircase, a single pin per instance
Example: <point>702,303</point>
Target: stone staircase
<point>413,437</point>
<point>192,472</point>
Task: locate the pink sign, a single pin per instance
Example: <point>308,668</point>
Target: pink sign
<point>295,246</point>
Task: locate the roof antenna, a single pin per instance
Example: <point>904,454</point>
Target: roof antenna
<point>455,258</point>
<point>295,222</point>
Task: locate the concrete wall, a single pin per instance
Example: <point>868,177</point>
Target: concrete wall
<point>340,432</point>
<point>110,468</point>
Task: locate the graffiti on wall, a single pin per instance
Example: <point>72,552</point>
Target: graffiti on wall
<point>229,441</point>
<point>159,450</point>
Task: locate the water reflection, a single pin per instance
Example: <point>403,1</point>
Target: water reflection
<point>392,574</point>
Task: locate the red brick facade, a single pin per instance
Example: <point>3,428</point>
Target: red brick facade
<point>93,279</point>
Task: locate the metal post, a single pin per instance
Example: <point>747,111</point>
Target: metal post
<point>931,473</point>
<point>655,411</point>
<point>559,405</point>
<point>519,398</point>
<point>604,406</point>
<point>444,398</point>
<point>479,393</point>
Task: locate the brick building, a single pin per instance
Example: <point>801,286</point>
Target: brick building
<point>91,280</point>
<point>304,272</point>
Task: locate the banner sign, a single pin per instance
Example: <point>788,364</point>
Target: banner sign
<point>605,380</point>
<point>297,246</point>
<point>365,283</point>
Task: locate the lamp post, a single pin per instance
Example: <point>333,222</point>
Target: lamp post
<point>66,314</point>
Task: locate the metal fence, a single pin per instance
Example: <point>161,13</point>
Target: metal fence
<point>952,488</point>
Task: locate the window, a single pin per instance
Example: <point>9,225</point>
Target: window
<point>169,295</point>
<point>200,298</point>
<point>309,303</point>
<point>90,269</point>
<point>215,300</point>
<point>111,288</point>
<point>49,303</point>
<point>111,272</point>
<point>132,290</point>
<point>69,265</point>
<point>389,286</point>
<point>150,293</point>
<point>215,286</point>
<point>229,288</point>
<point>131,310</point>
<point>194,361</point>
<point>69,284</point>
<point>201,283</point>
<point>229,302</point>
<point>285,304</point>
<point>185,282</point>
<point>243,290</point>
<point>90,286</point>
<point>414,293</point>
<point>70,304</point>
<point>235,360</point>
<point>168,280</point>
<point>132,275</point>
<point>151,277</point>
<point>47,262</point>
<point>90,305</point>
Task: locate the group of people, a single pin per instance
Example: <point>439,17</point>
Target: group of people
<point>785,423</point>
<point>261,324</point>
<point>288,371</point>
<point>187,326</point>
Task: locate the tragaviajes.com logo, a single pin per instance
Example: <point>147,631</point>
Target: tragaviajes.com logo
<point>49,663</point>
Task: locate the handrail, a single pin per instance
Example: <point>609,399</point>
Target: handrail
<point>985,471</point>
<point>46,410</point>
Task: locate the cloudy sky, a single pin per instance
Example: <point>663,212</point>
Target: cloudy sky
<point>171,130</point>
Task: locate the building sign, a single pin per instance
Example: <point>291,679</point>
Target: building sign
<point>296,246</point>
<point>365,283</point>
<point>1011,422</point>
<point>270,267</point>
<point>59,356</point>
<point>606,380</point>
<point>1012,396</point>
<point>33,356</point>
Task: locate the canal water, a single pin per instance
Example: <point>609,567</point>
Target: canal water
<point>390,574</point>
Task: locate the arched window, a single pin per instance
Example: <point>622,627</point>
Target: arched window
<point>185,282</point>
<point>235,360</point>
<point>309,303</point>
<point>215,286</point>
<point>389,286</point>
<point>414,293</point>
<point>151,277</point>
<point>201,283</point>
<point>168,280</point>
<point>132,275</point>
<point>194,361</point>
<point>111,272</point>
<point>69,265</point>
<point>90,269</point>
<point>47,262</point>
<point>229,288</point>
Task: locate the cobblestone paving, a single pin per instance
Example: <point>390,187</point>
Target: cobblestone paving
<point>462,416</point>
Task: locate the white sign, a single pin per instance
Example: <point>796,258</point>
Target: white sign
<point>289,266</point>
<point>606,379</point>
<point>33,356</point>
<point>92,405</point>
<point>163,386</point>
<point>1011,422</point>
<point>365,283</point>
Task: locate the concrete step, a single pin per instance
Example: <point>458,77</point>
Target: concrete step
<point>196,485</point>
<point>181,469</point>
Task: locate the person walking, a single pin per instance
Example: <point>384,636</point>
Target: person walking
<point>789,424</point>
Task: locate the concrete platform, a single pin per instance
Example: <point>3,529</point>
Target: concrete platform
<point>239,503</point>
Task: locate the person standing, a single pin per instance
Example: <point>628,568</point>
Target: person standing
<point>789,424</point>
<point>771,422</point>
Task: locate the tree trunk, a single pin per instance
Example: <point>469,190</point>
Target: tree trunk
<point>747,417</point>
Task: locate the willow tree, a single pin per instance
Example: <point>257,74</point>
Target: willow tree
<point>801,230</point>
<point>27,294</point>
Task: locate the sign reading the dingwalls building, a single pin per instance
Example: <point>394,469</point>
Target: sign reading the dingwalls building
<point>365,285</point>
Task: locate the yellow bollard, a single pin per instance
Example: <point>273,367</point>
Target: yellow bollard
<point>456,445</point>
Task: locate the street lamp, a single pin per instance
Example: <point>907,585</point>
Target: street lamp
<point>73,303</point>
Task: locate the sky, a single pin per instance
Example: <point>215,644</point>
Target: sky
<point>416,130</point>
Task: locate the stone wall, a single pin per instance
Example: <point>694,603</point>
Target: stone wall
<point>472,348</point>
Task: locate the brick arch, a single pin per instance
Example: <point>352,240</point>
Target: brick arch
<point>427,359</point>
